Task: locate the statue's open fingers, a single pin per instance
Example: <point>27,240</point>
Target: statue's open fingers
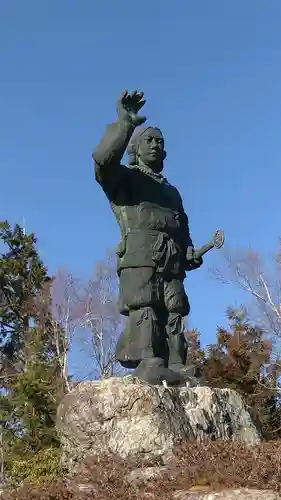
<point>136,96</point>
<point>123,94</point>
<point>133,95</point>
<point>122,99</point>
<point>140,104</point>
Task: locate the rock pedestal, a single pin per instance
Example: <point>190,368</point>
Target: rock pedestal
<point>129,418</point>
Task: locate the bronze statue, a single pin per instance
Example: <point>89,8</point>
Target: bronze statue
<point>155,250</point>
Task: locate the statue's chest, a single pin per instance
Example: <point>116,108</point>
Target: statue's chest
<point>149,190</point>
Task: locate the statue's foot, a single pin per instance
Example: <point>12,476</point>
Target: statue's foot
<point>154,372</point>
<point>188,373</point>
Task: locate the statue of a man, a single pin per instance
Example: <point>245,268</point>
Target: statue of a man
<point>155,250</point>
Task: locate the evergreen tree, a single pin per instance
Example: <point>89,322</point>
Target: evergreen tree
<point>22,276</point>
<point>241,359</point>
<point>30,375</point>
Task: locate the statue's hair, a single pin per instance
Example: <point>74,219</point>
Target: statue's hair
<point>132,148</point>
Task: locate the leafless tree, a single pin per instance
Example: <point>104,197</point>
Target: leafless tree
<point>86,316</point>
<point>65,303</point>
<point>100,320</point>
<point>262,281</point>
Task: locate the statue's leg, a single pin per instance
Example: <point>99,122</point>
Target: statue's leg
<point>139,337</point>
<point>143,344</point>
<point>176,340</point>
<point>144,336</point>
<point>177,306</point>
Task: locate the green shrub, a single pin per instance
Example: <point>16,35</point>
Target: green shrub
<point>43,466</point>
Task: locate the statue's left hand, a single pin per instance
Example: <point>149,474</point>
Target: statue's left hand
<point>192,262</point>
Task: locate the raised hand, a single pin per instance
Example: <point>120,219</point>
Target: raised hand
<point>128,106</point>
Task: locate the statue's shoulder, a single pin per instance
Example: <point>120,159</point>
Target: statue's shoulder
<point>173,188</point>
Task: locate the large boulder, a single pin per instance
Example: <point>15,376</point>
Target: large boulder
<point>130,418</point>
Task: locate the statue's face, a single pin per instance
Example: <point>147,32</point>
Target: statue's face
<point>151,149</point>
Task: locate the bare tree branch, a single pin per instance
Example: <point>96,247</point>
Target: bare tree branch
<point>64,319</point>
<point>87,311</point>
<point>247,270</point>
<point>100,316</point>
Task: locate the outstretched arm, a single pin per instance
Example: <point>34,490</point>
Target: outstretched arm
<point>109,152</point>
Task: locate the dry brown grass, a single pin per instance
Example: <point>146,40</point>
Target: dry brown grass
<point>215,464</point>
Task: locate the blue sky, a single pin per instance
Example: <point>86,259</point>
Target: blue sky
<point>211,73</point>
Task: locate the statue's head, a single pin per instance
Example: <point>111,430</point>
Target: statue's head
<point>147,148</point>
